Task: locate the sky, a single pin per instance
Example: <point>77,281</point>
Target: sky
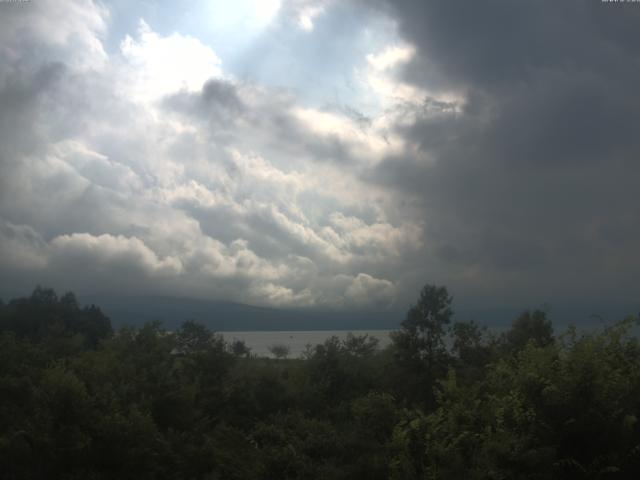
<point>328,154</point>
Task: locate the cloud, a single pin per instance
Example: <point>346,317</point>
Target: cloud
<point>305,12</point>
<point>21,248</point>
<point>365,289</point>
<point>96,168</point>
<point>265,10</point>
<point>390,57</point>
<point>108,252</point>
<point>184,181</point>
<point>162,65</point>
<point>280,296</point>
<point>48,29</point>
<point>539,150</point>
<point>469,152</point>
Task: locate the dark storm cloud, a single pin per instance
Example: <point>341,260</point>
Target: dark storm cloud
<point>532,183</point>
<point>495,43</point>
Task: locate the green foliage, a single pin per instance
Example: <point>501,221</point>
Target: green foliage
<point>360,346</point>
<point>376,414</point>
<point>279,350</point>
<point>341,369</point>
<point>239,348</point>
<point>529,327</point>
<point>552,411</point>
<point>420,348</point>
<point>147,403</point>
<point>45,317</point>
<point>426,321</point>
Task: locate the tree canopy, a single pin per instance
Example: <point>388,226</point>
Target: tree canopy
<point>442,401</point>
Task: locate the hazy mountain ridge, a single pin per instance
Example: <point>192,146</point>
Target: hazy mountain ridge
<point>231,316</point>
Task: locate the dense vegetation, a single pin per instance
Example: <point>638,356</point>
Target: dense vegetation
<point>444,401</point>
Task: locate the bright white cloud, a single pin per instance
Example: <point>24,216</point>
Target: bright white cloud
<point>283,296</point>
<point>391,57</point>
<point>366,142</point>
<point>305,12</point>
<point>108,252</point>
<point>160,172</point>
<point>307,15</point>
<point>381,237</point>
<point>159,65</point>
<point>365,290</point>
<point>381,79</point>
<point>266,10</point>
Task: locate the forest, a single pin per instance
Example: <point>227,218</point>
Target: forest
<point>446,400</point>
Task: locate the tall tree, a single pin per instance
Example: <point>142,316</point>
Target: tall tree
<point>420,346</point>
<point>425,323</point>
<point>529,326</point>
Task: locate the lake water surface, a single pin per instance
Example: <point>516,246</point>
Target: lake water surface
<point>259,342</point>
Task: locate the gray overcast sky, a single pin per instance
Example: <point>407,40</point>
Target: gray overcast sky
<point>331,154</point>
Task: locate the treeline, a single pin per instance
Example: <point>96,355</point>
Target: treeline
<point>444,401</point>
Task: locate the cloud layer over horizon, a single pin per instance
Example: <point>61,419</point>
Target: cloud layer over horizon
<point>342,155</point>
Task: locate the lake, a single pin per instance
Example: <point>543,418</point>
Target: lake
<point>259,342</point>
